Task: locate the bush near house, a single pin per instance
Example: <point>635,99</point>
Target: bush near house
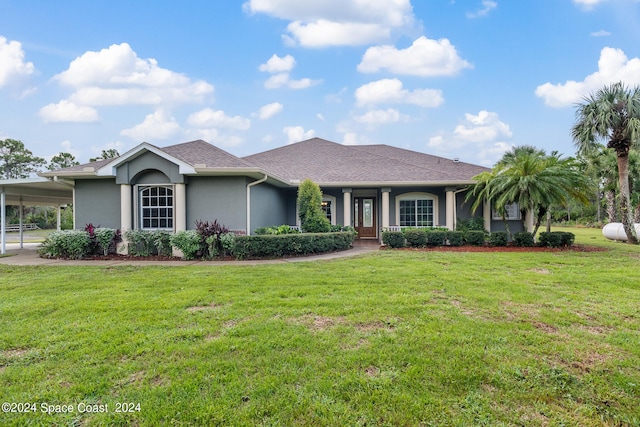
<point>454,238</point>
<point>393,239</point>
<point>475,237</point>
<point>498,238</point>
<point>523,238</point>
<point>77,244</point>
<point>274,246</point>
<point>556,239</point>
<point>416,238</point>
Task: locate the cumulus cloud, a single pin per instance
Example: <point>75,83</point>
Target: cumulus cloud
<point>613,66</point>
<point>391,91</point>
<point>297,134</point>
<point>67,111</point>
<point>424,58</point>
<point>337,22</point>
<point>117,76</point>
<point>159,125</point>
<point>209,118</point>
<point>276,64</point>
<point>280,68</point>
<point>483,134</point>
<point>353,138</point>
<point>588,4</point>
<point>487,6</point>
<point>601,33</point>
<point>270,110</point>
<point>12,64</point>
<point>379,117</point>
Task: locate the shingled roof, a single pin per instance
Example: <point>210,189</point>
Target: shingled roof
<point>327,162</point>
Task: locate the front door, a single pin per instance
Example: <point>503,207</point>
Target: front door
<point>364,217</point>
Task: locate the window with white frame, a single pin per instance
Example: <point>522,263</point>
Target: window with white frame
<point>511,211</point>
<point>329,207</point>
<point>416,210</point>
<point>155,207</point>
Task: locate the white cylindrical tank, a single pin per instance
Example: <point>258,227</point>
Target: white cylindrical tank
<point>615,231</point>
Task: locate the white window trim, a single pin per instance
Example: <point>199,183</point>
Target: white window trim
<point>418,196</point>
<point>136,206</point>
<point>495,215</point>
<point>334,205</point>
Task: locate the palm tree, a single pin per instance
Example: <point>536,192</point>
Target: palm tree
<point>534,180</point>
<point>613,114</point>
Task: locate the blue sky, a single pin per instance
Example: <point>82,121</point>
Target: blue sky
<point>463,79</point>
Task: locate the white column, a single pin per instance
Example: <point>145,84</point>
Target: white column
<point>180,207</point>
<point>21,212</point>
<point>450,210</point>
<point>125,208</point>
<point>486,214</point>
<point>347,206</point>
<point>385,208</point>
<point>58,219</point>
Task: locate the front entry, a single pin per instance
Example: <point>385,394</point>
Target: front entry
<point>364,217</point>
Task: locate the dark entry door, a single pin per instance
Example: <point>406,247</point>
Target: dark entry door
<point>364,216</point>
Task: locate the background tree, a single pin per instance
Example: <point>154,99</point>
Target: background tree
<point>312,218</point>
<point>111,153</point>
<point>61,161</point>
<point>612,114</point>
<point>16,161</point>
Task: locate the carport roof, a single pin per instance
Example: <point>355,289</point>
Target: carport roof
<point>36,192</point>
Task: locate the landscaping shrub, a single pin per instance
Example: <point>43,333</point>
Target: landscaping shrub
<point>523,238</point>
<point>66,244</point>
<point>273,246</point>
<point>210,243</point>
<point>498,238</point>
<point>475,238</point>
<point>436,238</point>
<point>312,217</point>
<point>279,229</point>
<point>188,242</point>
<point>470,224</point>
<point>104,237</point>
<point>556,239</point>
<point>393,239</point>
<point>416,238</point>
<point>454,238</point>
<point>148,242</point>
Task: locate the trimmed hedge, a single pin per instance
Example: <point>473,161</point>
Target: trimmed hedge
<point>436,238</point>
<point>275,246</point>
<point>416,238</point>
<point>523,238</point>
<point>498,238</point>
<point>393,239</point>
<point>556,239</point>
<point>475,237</point>
<point>455,238</point>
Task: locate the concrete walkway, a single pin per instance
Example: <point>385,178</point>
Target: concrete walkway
<point>29,256</point>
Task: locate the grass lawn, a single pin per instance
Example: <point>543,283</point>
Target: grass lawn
<point>391,338</point>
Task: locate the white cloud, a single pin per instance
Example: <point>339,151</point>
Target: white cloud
<point>116,76</point>
<point>487,6</point>
<point>12,64</point>
<point>352,138</point>
<point>483,127</point>
<point>276,64</point>
<point>280,68</point>
<point>270,110</point>
<point>337,22</point>
<point>588,4</point>
<point>297,134</point>
<point>208,118</point>
<point>159,125</point>
<point>424,58</point>
<point>387,91</point>
<point>613,66</point>
<point>67,111</point>
<point>320,117</point>
<point>601,33</point>
<point>483,135</point>
<point>215,137</point>
<point>378,117</point>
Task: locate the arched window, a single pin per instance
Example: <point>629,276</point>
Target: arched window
<point>156,209</point>
<point>417,210</point>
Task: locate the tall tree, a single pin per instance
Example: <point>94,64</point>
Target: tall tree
<point>612,114</point>
<point>312,218</point>
<point>61,161</point>
<point>111,153</point>
<point>16,161</point>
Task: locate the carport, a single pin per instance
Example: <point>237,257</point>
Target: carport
<point>31,192</point>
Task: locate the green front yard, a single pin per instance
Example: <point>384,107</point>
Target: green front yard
<point>391,338</point>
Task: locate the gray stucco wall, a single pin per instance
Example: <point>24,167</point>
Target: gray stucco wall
<point>268,206</point>
<point>127,173</point>
<point>221,198</point>
<point>97,202</point>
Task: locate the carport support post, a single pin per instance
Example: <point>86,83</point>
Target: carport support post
<point>58,219</point>
<point>21,231</point>
<point>3,220</point>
